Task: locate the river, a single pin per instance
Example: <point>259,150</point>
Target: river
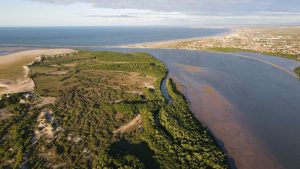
<point>249,101</point>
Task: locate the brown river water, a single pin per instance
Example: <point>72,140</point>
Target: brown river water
<point>250,102</point>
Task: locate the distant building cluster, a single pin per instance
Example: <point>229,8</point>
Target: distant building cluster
<point>280,40</point>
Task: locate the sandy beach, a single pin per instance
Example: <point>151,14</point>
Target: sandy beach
<point>167,43</point>
<point>278,41</point>
<point>14,70</point>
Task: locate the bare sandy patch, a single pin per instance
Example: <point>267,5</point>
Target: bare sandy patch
<point>14,72</point>
<point>5,114</point>
<point>23,84</point>
<point>134,82</point>
<point>71,64</point>
<point>45,101</point>
<point>46,125</point>
<point>9,63</point>
<point>133,125</point>
<point>74,139</point>
<point>146,81</point>
<point>62,72</point>
<point>135,92</point>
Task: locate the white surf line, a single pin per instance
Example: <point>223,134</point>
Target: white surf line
<point>260,60</point>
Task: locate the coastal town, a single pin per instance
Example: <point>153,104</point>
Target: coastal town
<point>278,40</point>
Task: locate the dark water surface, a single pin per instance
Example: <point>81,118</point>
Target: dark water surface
<point>98,36</point>
<point>251,106</point>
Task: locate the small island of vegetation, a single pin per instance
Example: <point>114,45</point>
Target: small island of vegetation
<point>297,71</point>
<point>102,110</point>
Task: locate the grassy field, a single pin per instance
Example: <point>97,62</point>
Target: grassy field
<point>97,93</point>
<point>15,70</point>
<point>11,65</point>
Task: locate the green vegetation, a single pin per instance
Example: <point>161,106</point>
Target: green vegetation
<point>15,132</point>
<point>14,70</point>
<point>226,49</point>
<point>97,92</point>
<point>297,71</point>
<point>177,137</point>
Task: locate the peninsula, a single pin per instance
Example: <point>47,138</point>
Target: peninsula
<point>102,109</point>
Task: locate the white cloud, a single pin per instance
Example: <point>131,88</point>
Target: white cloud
<point>187,6</point>
<point>154,12</point>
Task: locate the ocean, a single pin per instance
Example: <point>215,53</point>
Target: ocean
<point>98,36</point>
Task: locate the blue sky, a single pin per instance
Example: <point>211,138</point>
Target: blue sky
<point>148,12</point>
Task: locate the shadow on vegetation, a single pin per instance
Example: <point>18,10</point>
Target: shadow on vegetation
<point>140,150</point>
<point>230,160</point>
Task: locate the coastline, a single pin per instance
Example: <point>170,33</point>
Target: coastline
<point>233,33</point>
<point>215,112</point>
<point>14,69</point>
<point>193,70</point>
<point>217,158</point>
<point>155,44</point>
<point>229,159</point>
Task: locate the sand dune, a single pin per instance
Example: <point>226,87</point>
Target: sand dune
<point>31,54</point>
<point>14,70</point>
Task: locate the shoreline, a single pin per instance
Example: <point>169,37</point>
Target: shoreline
<point>18,64</point>
<point>164,42</point>
<point>183,44</point>
<point>230,160</point>
<point>219,143</point>
<point>248,39</point>
<point>205,107</point>
<point>159,129</point>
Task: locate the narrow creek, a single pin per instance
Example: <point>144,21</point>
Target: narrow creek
<point>164,90</point>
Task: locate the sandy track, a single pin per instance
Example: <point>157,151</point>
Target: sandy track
<point>133,125</point>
